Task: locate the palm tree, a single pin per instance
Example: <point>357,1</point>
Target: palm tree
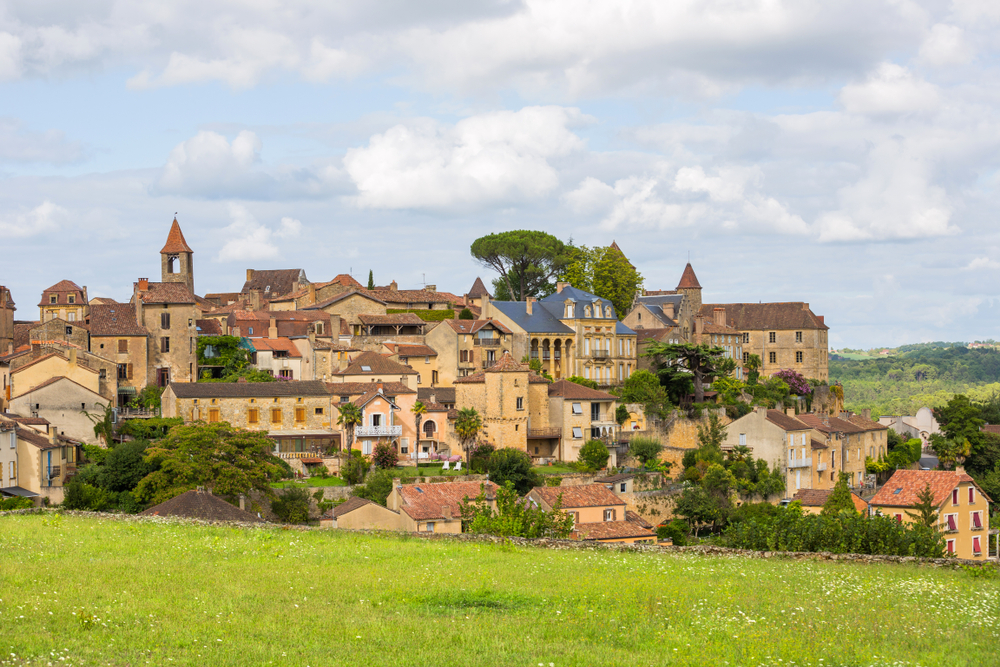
<point>350,416</point>
<point>468,424</point>
<point>752,366</point>
<point>418,410</point>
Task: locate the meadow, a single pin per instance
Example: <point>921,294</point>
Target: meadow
<point>78,590</point>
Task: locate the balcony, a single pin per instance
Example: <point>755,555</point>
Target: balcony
<point>800,463</point>
<point>486,363</point>
<point>486,342</point>
<point>600,354</point>
<point>377,431</point>
<point>544,433</point>
<point>820,467</point>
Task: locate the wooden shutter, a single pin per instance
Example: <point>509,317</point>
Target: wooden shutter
<point>129,371</point>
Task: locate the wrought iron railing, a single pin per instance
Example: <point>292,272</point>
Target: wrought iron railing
<point>377,431</point>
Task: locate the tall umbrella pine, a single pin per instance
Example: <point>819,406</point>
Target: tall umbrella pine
<point>468,424</point>
<point>418,410</point>
<point>350,416</point>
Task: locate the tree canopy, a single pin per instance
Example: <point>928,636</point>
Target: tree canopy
<point>701,363</point>
<point>604,272</point>
<point>527,261</point>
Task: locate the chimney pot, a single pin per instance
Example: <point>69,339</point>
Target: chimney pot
<point>249,275</point>
<point>143,284</point>
<point>393,286</point>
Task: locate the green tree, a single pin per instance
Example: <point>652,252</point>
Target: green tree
<point>466,314</point>
<point>700,362</point>
<point>840,499</point>
<point>418,410</point>
<point>514,466</point>
<point>960,419</point>
<point>752,366</point>
<point>227,460</point>
<point>513,516</point>
<point>527,261</point>
<point>371,279</point>
<point>948,451</point>
<point>644,388</point>
<point>468,424</point>
<point>292,505</point>
<point>349,416</point>
<point>604,272</point>
<point>712,435</point>
<point>646,450</point>
<point>355,468</point>
<point>926,513</point>
<point>104,423</point>
<point>621,415</point>
<point>125,466</point>
<point>595,454</point>
<point>227,354</point>
<point>384,456</point>
<point>583,382</point>
<point>376,488</point>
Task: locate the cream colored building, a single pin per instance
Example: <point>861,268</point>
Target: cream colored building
<point>44,361</point>
<point>849,439</point>
<point>436,508</point>
<point>65,404</point>
<point>465,347</point>
<point>360,514</point>
<point>421,358</point>
<point>783,442</point>
<point>33,464</point>
<point>116,335</point>
<point>65,300</point>
<point>581,414</point>
<point>375,367</point>
<point>598,513</point>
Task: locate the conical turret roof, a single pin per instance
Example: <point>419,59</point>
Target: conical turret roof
<point>175,240</point>
<point>478,289</point>
<point>688,279</point>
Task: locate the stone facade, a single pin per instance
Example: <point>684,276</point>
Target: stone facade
<point>7,309</point>
<point>45,361</point>
<point>65,405</point>
<point>65,300</point>
<point>73,332</point>
<point>465,347</point>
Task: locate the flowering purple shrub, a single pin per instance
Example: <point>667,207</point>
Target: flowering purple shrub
<point>796,383</point>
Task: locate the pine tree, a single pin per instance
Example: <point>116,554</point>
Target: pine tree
<point>371,280</point>
<point>926,511</point>
<point>840,500</point>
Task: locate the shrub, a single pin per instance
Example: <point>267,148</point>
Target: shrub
<point>645,449</point>
<point>81,496</point>
<point>384,456</point>
<point>149,429</point>
<point>292,505</point>
<point>95,454</point>
<point>15,503</point>
<point>595,454</point>
<point>354,469</point>
<point>676,531</point>
<point>286,470</point>
<point>576,379</point>
<point>466,314</point>
<point>553,480</point>
<point>125,466</point>
<point>479,457</point>
<point>377,487</point>
<point>513,465</point>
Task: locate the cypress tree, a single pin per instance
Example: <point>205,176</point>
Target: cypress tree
<point>840,499</point>
<point>371,280</point>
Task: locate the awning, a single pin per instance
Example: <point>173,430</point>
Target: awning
<point>127,390</point>
<point>18,491</point>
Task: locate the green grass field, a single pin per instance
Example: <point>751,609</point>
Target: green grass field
<point>80,590</point>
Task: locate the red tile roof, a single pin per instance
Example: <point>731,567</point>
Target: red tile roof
<point>175,240</point>
<point>361,388</point>
<point>902,488</point>
<point>611,530</point>
<point>473,326</point>
<point>586,495</point>
<point>784,422</point>
<point>567,389</point>
<point>405,350</point>
<point>167,293</point>
<point>818,498</point>
<point>376,364</point>
<point>276,345</point>
<point>363,293</point>
<point>826,424</point>
<point>760,316</point>
<point>209,327</point>
<point>61,290</point>
<point>116,319</point>
<point>427,501</point>
<point>688,279</point>
<point>411,296</point>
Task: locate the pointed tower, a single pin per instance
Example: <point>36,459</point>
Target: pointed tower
<point>176,263</point>
<point>691,288</point>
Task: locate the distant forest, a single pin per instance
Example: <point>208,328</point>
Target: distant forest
<point>918,375</point>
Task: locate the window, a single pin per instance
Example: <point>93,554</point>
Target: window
<point>899,518</point>
<point>977,520</point>
<point>366,369</point>
<point>463,356</point>
<point>213,415</point>
<point>122,371</point>
<point>253,416</point>
<point>798,337</point>
<point>404,446</point>
<point>772,357</point>
<point>951,520</point>
<point>951,546</point>
<point>275,415</point>
<point>300,415</point>
<point>609,515</point>
<point>123,346</point>
<point>164,320</point>
<point>595,412</point>
<point>427,360</point>
<point>622,487</point>
<point>772,337</point>
<point>103,373</point>
<point>318,411</point>
<point>72,318</point>
<point>72,298</point>
<point>972,495</point>
<point>250,330</point>
<point>743,439</point>
<point>746,357</point>
<point>520,403</point>
<point>434,377</point>
<point>366,447</point>
<point>285,373</point>
<point>165,344</point>
<point>345,399</point>
<point>430,527</point>
<point>977,547</point>
<point>12,472</point>
<point>954,496</point>
<point>578,408</point>
<point>798,357</point>
<point>52,298</point>
<point>577,432</point>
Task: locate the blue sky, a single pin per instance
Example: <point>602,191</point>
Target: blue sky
<point>843,154</point>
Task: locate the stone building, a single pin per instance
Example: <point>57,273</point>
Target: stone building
<point>35,464</point>
<point>422,358</point>
<point>273,283</point>
<point>39,363</point>
<point>349,305</point>
<point>116,335</point>
<point>177,259</point>
<point>436,508</point>
<point>847,440</point>
<point>57,329</point>
<point>783,442</point>
<point>65,300</point>
<point>7,309</point>
<point>65,404</point>
<point>581,414</point>
<point>375,367</point>
<point>464,347</point>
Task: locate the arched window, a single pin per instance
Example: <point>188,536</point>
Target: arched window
<point>586,311</point>
<point>430,428</point>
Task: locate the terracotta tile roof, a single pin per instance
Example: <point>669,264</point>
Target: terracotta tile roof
<point>27,421</point>
<point>410,296</point>
<point>343,295</point>
<point>816,444</point>
<point>167,293</point>
<point>586,495</point>
<point>761,316</point>
<point>783,421</point>
<point>902,488</point>
<point>350,505</point>
<point>209,327</point>
<point>372,393</point>
<point>866,424</point>
<point>61,290</point>
<point>818,498</point>
<point>276,345</point>
<point>33,437</point>
<point>275,282</point>
<point>328,344</point>
<point>478,289</point>
<point>361,388</point>
<point>572,390</point>
<point>376,364</point>
<point>611,530</point>
<point>473,326</point>
<point>396,319</point>
<point>636,519</point>
<point>53,380</point>
<point>404,350</point>
<point>224,298</point>
<point>435,407</point>
<point>202,505</point>
<point>427,501</point>
<point>688,279</point>
<point>480,377</point>
<point>175,240</point>
<point>249,389</point>
<point>442,394</point>
<point>115,320</point>
<point>828,424</point>
<point>991,428</point>
<point>713,328</point>
<point>507,364</point>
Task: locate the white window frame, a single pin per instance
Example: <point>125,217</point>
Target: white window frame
<point>578,408</point>
<point>577,432</point>
<point>429,527</point>
<point>366,447</point>
<point>945,522</point>
<point>950,546</point>
<point>977,541</point>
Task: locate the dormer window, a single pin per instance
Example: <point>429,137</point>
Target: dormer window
<point>586,311</point>
<point>52,298</point>
<point>72,298</point>
<point>366,369</point>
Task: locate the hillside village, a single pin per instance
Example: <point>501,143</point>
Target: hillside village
<point>544,376</point>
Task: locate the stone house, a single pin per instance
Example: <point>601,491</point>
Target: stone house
<point>465,347</point>
<point>375,367</point>
<point>849,439</point>
<point>349,305</point>
<point>35,464</point>
<point>436,508</point>
<point>281,324</point>
<point>41,362</point>
<point>115,334</point>
<point>298,416</point>
<point>427,298</point>
<point>422,358</point>
<point>360,514</point>
<point>57,329</point>
<point>65,404</point>
<point>273,283</point>
<point>7,310</point>
<point>717,333</point>
<point>921,425</point>
<point>323,357</point>
<point>581,414</point>
<point>386,415</point>
<point>168,311</point>
<point>598,514</point>
<point>784,442</point>
<point>281,358</point>
<point>65,300</point>
<point>962,507</point>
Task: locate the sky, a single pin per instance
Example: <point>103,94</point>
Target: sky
<point>839,153</point>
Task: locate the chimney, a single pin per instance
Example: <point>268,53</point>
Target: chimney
<point>143,284</point>
<point>272,329</point>
<point>790,412</point>
<point>560,286</point>
<point>457,312</point>
<point>433,398</point>
<point>254,298</point>
<point>959,469</point>
<point>393,286</point>
<point>312,336</point>
<point>430,288</point>
<point>446,511</point>
<point>312,294</point>
<point>867,413</point>
<point>720,316</point>
<point>72,356</point>
<point>54,434</point>
<point>528,303</point>
<point>699,326</point>
<point>249,275</point>
<point>822,319</point>
<point>243,502</point>
<point>805,306</point>
<point>668,310</point>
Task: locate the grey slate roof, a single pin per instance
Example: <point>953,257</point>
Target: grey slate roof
<point>555,303</point>
<point>540,320</point>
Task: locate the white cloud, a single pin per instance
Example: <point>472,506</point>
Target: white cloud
<point>250,240</point>
<point>10,56</point>
<point>498,158</point>
<point>18,144</point>
<point>889,90</point>
<point>46,217</point>
<point>980,263</point>
<point>945,45</point>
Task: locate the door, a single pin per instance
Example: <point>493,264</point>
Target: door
<point>798,479</point>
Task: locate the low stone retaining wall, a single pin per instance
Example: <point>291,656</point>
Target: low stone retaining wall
<point>547,543</point>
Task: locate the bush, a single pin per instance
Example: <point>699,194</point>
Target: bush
<point>384,456</point>
<point>292,505</point>
<point>645,449</point>
<point>676,531</point>
<point>479,457</point>
<point>124,466</point>
<point>354,469</point>
<point>594,454</point>
<point>149,429</point>
<point>513,465</point>
<point>15,503</point>
<point>377,487</point>
<point>95,454</point>
<point>81,496</point>
<point>286,470</point>
<point>466,314</point>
